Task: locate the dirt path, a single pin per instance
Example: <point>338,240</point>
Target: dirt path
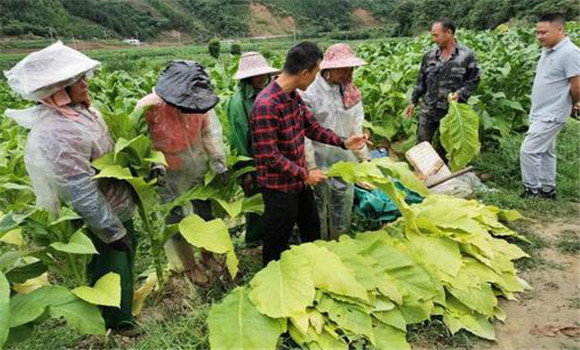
<point>548,317</point>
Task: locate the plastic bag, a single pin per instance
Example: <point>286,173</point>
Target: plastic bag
<point>44,72</point>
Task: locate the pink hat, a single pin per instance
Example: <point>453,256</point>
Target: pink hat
<point>253,64</point>
<point>340,56</point>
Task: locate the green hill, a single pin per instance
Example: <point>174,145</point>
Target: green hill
<point>202,19</point>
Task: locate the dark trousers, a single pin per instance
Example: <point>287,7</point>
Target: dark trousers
<point>282,211</point>
<point>254,222</point>
<point>428,125</point>
<point>111,260</point>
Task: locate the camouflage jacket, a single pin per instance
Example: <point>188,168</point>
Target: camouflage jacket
<point>460,73</point>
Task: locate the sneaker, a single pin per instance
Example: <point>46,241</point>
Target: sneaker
<point>551,194</point>
<point>530,193</point>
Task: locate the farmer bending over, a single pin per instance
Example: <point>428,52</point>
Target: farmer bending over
<point>185,128</point>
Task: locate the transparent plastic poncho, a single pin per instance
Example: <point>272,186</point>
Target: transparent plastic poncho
<point>58,156</point>
<point>334,197</point>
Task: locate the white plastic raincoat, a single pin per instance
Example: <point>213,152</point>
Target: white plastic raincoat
<point>58,157</point>
<point>191,143</point>
<point>334,197</point>
<point>60,149</point>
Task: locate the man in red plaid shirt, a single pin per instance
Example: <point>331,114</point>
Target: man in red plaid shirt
<point>279,123</point>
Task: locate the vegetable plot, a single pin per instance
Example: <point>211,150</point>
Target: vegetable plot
<point>432,262</point>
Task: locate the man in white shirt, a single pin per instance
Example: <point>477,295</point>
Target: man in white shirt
<point>556,89</point>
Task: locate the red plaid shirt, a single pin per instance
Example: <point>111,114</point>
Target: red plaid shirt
<point>279,123</point>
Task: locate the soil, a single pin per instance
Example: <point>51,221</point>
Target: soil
<point>364,18</point>
<point>548,316</point>
<point>264,23</point>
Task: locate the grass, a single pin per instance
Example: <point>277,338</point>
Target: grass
<point>501,163</point>
<point>568,242</point>
<point>574,303</point>
<point>434,334</point>
<point>533,247</point>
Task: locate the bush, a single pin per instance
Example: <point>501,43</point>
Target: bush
<point>236,49</point>
<point>214,47</point>
<point>267,53</point>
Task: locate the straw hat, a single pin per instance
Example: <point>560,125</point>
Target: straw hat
<point>253,64</point>
<point>340,56</point>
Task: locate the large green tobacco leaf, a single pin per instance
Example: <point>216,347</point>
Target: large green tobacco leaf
<point>347,316</point>
<point>371,173</point>
<point>329,272</point>
<point>440,252</point>
<point>460,135</point>
<point>79,243</point>
<point>401,172</point>
<point>22,273</point>
<point>387,131</point>
<point>115,172</point>
<point>254,204</point>
<point>392,318</point>
<point>232,208</point>
<point>211,235</point>
<point>325,339</point>
<point>459,316</point>
<point>65,214</point>
<point>26,308</point>
<point>235,323</point>
<point>480,299</point>
<point>80,315</point>
<point>139,145</point>
<point>4,309</point>
<point>284,287</point>
<point>350,172</point>
<point>347,251</point>
<point>106,291</point>
<point>388,337</point>
<point>232,263</point>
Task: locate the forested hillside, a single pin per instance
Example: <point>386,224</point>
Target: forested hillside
<point>202,19</point>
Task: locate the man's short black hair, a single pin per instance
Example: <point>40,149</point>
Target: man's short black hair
<point>303,56</point>
<point>447,24</point>
<point>553,17</point>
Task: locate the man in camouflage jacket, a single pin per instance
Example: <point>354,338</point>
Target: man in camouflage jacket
<point>448,72</point>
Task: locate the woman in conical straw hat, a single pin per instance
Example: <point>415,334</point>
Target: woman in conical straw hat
<point>337,105</point>
<point>254,74</point>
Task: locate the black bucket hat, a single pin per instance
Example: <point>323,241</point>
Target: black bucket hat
<point>186,85</point>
